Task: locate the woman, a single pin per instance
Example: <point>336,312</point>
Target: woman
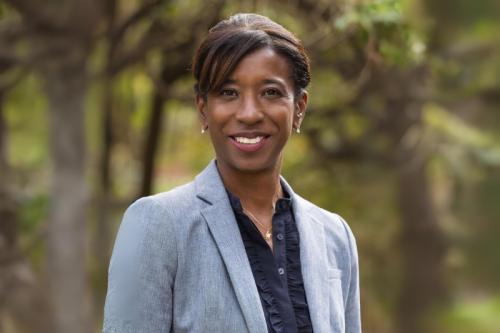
<point>236,250</point>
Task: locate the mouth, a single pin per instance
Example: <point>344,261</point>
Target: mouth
<point>249,142</point>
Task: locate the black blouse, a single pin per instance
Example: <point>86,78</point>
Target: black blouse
<point>277,275</point>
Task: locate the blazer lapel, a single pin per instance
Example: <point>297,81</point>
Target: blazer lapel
<point>314,262</point>
<point>219,216</point>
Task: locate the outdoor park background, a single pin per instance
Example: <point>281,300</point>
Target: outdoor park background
<point>402,138</point>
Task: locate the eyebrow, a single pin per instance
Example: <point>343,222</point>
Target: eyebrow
<point>279,82</point>
<point>265,81</point>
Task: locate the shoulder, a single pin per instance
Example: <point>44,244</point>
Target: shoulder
<point>169,203</point>
<point>331,221</point>
<point>337,231</point>
<point>155,216</point>
<point>165,201</point>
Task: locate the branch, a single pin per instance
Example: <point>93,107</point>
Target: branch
<point>11,31</point>
<point>491,95</point>
<point>7,59</point>
<point>35,12</point>
<point>171,71</point>
<point>154,37</point>
<point>109,11</point>
<point>349,151</point>
<point>6,85</point>
<point>117,33</point>
<point>465,51</point>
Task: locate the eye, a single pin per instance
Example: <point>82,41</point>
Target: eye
<point>226,92</point>
<point>272,92</point>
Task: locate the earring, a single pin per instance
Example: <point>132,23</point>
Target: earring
<point>297,130</point>
<point>203,129</point>
<point>299,114</point>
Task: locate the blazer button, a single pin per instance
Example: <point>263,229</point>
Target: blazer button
<point>281,271</point>
<point>279,236</point>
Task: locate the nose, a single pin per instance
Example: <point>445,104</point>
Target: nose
<point>250,110</point>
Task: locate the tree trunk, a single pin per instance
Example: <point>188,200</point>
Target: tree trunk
<point>66,90</point>
<point>22,299</point>
<point>422,243</point>
<point>152,142</point>
<point>3,139</point>
<point>103,230</point>
<point>172,70</point>
<point>103,235</point>
<point>423,249</point>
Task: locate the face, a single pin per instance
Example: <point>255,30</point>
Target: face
<point>253,114</point>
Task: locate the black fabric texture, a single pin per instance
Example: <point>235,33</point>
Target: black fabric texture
<point>283,297</point>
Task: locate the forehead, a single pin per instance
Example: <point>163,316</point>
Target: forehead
<point>262,65</point>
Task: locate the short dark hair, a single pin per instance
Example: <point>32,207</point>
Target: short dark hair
<point>230,40</point>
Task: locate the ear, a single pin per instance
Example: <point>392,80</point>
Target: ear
<point>300,109</point>
<point>201,106</point>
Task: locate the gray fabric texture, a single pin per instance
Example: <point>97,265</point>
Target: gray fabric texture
<point>179,265</point>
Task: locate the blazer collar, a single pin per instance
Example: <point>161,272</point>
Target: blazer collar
<point>219,216</point>
<point>209,185</point>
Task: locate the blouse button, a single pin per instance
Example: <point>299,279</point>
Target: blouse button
<point>281,271</point>
<point>279,236</point>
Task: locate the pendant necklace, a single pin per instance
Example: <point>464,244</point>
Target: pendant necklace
<point>267,234</point>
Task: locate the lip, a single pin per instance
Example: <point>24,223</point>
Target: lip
<point>249,135</point>
<point>249,148</point>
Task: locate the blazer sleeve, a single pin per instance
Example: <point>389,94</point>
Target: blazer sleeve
<point>352,307</point>
<point>141,272</point>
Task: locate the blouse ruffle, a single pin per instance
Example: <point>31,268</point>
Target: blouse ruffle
<point>254,244</point>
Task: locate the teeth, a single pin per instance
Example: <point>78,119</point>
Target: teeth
<point>249,141</point>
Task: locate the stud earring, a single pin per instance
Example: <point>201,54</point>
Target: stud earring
<point>299,114</point>
<point>203,130</point>
<point>297,130</point>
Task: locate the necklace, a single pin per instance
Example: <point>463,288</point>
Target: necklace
<point>267,234</point>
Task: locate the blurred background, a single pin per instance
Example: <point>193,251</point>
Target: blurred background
<point>96,110</point>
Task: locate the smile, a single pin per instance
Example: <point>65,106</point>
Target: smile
<point>249,145</point>
<point>248,141</point>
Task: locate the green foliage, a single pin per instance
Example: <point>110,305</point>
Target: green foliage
<point>400,43</point>
<point>367,14</point>
<point>4,10</point>
<point>32,214</point>
<point>482,145</point>
<point>478,316</point>
<point>361,60</point>
<point>26,114</point>
<point>329,90</point>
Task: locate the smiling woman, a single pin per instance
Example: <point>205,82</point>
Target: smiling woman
<point>250,117</point>
<point>236,250</point>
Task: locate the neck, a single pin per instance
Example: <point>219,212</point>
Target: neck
<point>257,191</point>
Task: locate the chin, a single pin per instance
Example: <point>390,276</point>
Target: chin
<point>252,165</point>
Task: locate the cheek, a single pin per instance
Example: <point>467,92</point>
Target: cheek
<point>288,120</point>
<point>216,117</point>
<point>283,115</point>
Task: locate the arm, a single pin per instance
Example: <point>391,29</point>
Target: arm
<point>352,306</point>
<point>141,272</point>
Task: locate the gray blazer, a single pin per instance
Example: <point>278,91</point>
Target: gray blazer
<point>179,265</point>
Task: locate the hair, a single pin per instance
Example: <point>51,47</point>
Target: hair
<point>230,40</point>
